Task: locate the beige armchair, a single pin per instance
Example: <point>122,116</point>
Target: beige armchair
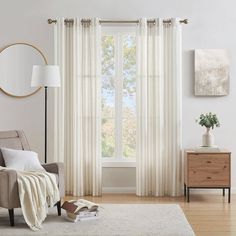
<point>9,196</point>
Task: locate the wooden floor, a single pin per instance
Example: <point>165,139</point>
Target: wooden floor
<point>208,214</point>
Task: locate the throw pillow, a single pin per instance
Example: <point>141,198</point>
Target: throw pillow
<point>21,160</point>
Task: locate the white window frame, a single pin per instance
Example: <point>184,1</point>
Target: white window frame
<point>118,160</point>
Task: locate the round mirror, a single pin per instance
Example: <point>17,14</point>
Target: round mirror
<point>16,63</point>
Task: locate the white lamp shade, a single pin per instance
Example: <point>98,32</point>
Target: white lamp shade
<point>45,76</point>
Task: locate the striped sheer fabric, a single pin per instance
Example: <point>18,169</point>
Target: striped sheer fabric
<point>159,101</point>
<point>77,105</point>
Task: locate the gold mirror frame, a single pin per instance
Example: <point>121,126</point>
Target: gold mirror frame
<point>44,58</point>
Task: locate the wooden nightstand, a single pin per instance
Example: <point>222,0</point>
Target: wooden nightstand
<point>207,170</point>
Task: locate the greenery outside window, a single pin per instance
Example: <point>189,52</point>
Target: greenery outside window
<point>118,94</point>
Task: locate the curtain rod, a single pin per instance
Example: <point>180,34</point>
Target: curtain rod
<point>51,21</point>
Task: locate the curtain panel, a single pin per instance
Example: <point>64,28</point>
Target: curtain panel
<point>159,111</point>
<point>77,105</point>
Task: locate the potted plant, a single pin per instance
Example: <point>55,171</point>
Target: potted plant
<point>209,120</point>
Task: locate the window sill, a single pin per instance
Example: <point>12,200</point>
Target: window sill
<point>121,164</point>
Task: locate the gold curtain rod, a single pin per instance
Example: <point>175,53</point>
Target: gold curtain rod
<point>51,21</point>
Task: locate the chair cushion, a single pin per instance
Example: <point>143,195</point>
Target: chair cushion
<point>21,160</point>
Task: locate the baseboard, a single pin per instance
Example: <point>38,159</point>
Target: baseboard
<point>119,189</point>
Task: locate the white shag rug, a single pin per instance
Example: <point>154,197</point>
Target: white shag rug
<point>114,220</point>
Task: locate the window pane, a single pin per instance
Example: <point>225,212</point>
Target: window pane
<point>120,96</point>
<point>129,64</point>
<point>129,73</point>
<point>108,138</point>
<point>108,55</point>
<point>108,97</point>
<point>129,136</point>
<point>129,100</point>
<point>129,104</point>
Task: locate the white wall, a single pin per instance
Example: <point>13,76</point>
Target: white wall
<point>211,25</point>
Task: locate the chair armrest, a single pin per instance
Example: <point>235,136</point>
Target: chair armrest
<point>57,168</point>
<point>9,196</point>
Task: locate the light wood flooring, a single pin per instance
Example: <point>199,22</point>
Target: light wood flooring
<point>208,214</point>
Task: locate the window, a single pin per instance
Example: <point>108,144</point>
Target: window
<point>118,94</point>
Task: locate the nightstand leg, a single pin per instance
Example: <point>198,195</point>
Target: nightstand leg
<point>223,192</point>
<point>229,195</point>
<point>185,190</point>
<point>188,194</point>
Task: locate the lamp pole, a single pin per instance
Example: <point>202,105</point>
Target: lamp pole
<point>45,131</point>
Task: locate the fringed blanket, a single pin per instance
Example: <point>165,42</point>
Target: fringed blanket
<point>37,192</point>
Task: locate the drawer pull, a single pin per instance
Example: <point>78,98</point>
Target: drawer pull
<point>209,162</point>
<point>208,177</point>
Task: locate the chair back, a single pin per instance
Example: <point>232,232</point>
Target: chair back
<point>14,139</point>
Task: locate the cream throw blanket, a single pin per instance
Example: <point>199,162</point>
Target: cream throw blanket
<point>37,192</point>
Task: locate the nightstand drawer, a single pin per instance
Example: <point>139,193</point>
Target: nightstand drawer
<point>209,178</point>
<point>208,161</point>
<point>207,170</point>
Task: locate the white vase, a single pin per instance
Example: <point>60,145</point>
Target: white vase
<point>208,139</point>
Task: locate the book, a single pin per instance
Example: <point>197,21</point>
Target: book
<point>88,213</point>
<point>81,205</point>
<point>88,218</point>
<point>82,214</point>
<point>207,149</point>
<point>82,217</point>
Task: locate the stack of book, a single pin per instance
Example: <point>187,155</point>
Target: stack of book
<point>80,210</point>
<point>207,149</point>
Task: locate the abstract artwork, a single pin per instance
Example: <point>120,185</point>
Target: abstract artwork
<point>211,72</point>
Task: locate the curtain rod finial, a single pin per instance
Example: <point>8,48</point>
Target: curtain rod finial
<point>185,21</point>
<point>50,21</point>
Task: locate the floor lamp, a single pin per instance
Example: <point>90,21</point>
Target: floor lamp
<point>45,76</point>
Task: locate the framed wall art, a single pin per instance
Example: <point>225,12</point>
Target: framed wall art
<point>211,72</point>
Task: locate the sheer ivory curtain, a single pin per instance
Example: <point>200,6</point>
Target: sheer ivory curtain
<point>159,99</point>
<point>77,105</point>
